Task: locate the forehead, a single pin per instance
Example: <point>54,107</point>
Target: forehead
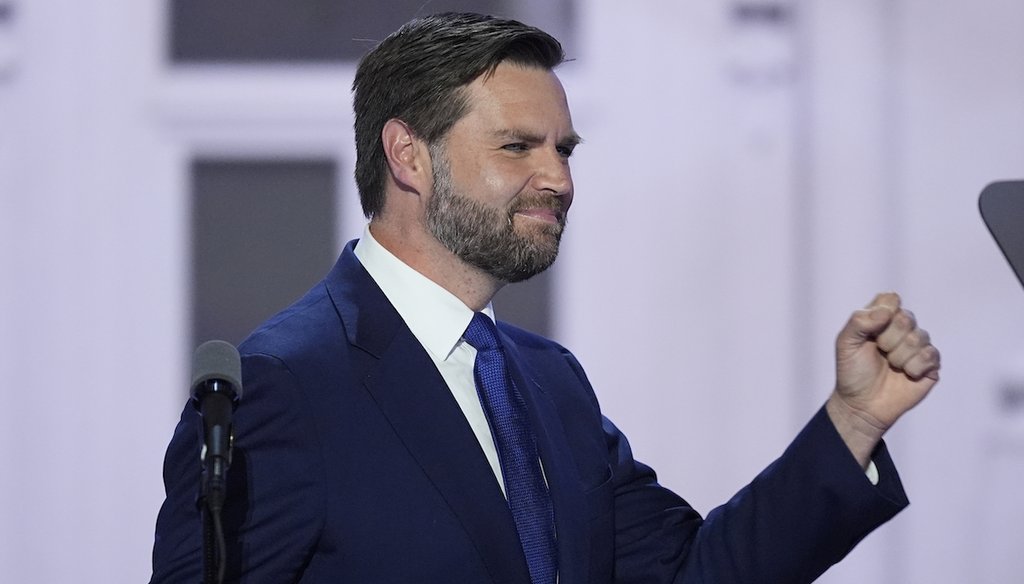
<point>518,97</point>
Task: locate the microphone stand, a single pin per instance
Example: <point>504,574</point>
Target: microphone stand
<point>213,547</point>
<point>216,408</point>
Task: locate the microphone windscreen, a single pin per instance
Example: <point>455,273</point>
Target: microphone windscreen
<point>217,360</point>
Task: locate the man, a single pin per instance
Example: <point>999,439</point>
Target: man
<point>390,433</point>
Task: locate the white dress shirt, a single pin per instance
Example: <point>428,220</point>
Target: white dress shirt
<point>438,319</point>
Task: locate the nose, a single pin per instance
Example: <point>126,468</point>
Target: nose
<point>553,177</point>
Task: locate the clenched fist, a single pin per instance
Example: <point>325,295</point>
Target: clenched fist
<point>885,365</point>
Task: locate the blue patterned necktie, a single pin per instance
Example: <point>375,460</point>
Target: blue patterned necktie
<point>517,450</point>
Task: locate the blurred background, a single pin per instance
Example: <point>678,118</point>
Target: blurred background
<point>753,171</point>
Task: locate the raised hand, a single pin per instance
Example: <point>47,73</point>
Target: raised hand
<point>885,365</point>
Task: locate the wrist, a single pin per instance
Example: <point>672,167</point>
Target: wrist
<point>859,431</point>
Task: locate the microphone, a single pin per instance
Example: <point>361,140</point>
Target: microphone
<point>216,389</point>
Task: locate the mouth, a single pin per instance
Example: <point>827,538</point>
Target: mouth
<point>543,214</point>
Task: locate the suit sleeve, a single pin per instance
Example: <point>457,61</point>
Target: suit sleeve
<point>798,517</point>
<point>273,512</point>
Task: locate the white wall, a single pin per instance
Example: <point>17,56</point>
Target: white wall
<point>750,187</point>
<point>684,193</point>
<point>92,342</point>
<point>753,219</point>
<point>961,109</point>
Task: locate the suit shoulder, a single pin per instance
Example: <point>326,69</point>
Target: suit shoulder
<point>542,347</point>
<point>306,323</point>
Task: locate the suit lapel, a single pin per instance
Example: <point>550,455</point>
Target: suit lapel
<point>411,393</point>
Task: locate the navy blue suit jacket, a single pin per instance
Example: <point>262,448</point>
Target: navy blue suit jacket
<point>353,463</point>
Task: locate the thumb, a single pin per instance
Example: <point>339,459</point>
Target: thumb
<point>867,323</point>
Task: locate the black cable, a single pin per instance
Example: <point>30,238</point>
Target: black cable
<point>222,554</point>
<point>214,545</point>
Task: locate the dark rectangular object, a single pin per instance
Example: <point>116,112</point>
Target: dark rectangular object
<point>1002,208</point>
<point>260,31</point>
<point>263,232</point>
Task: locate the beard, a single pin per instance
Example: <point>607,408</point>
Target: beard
<point>486,237</point>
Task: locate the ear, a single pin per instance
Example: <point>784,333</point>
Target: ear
<point>407,155</point>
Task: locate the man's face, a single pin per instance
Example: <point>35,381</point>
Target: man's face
<point>502,185</point>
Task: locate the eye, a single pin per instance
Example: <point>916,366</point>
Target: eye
<point>516,147</point>
<point>566,151</point>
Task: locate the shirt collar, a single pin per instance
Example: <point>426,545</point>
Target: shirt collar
<point>436,317</point>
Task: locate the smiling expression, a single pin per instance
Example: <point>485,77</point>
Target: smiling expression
<point>502,185</point>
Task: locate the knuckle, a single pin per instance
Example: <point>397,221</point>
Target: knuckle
<point>905,319</point>
<point>917,338</point>
<point>925,338</point>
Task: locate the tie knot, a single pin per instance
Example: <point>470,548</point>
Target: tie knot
<point>482,333</point>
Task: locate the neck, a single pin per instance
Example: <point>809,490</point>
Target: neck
<point>421,251</point>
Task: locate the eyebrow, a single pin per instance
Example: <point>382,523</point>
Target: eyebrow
<point>570,141</point>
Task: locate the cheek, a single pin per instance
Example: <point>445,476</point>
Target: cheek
<point>501,188</point>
